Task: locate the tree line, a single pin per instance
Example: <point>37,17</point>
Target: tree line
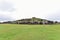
<point>32,20</point>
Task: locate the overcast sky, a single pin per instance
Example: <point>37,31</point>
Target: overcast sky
<point>19,9</point>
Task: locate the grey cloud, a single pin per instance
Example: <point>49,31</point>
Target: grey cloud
<point>54,17</point>
<point>6,6</point>
<point>5,17</point>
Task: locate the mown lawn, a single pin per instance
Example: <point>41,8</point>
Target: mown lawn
<point>29,32</point>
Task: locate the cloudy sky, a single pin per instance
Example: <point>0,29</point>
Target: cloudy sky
<point>19,9</point>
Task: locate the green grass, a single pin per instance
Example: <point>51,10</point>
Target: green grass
<point>29,32</point>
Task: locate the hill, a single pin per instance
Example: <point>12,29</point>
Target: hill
<point>32,20</point>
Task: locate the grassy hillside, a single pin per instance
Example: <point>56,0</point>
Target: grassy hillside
<point>29,32</point>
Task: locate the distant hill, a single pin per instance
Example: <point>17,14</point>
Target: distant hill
<point>32,20</point>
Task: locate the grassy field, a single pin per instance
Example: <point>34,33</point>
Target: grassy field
<point>29,32</point>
